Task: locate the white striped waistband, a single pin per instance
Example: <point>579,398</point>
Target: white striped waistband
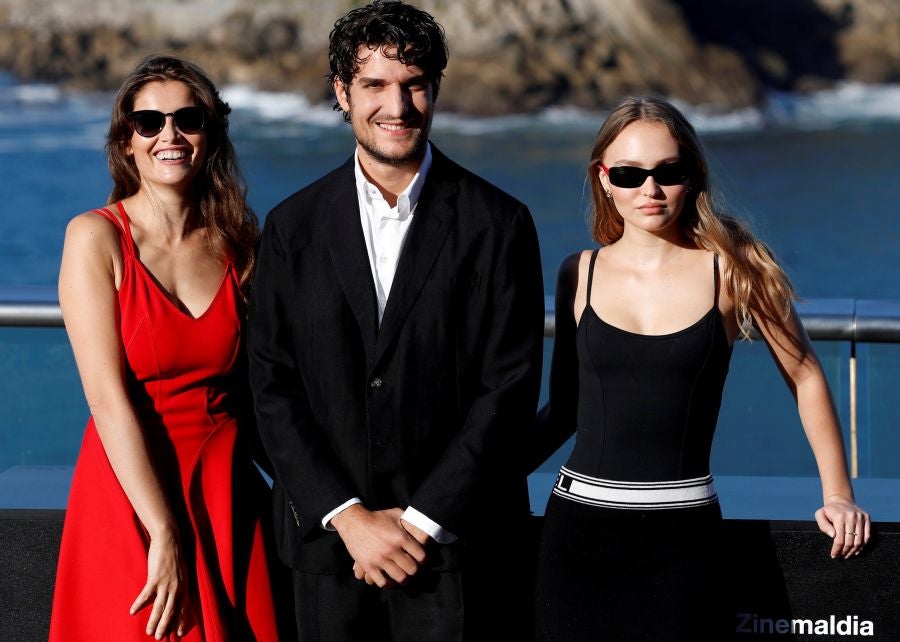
<point>656,495</point>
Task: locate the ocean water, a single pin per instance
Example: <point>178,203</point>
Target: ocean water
<point>814,175</point>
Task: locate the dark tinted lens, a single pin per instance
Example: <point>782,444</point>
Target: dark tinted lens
<point>148,122</point>
<point>671,173</point>
<point>189,119</point>
<point>623,176</point>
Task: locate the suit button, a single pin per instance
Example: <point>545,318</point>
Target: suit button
<point>376,383</point>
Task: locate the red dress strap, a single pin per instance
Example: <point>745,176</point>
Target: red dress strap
<point>123,225</point>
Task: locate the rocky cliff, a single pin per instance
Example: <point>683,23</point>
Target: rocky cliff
<point>506,55</point>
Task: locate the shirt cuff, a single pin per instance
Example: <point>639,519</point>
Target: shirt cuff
<point>326,521</point>
<point>437,532</point>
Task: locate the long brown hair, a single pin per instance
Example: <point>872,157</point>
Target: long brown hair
<point>753,279</point>
<point>231,226</point>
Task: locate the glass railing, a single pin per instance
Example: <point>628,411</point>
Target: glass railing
<point>43,411</point>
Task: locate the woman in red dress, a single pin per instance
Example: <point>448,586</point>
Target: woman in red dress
<point>163,535</point>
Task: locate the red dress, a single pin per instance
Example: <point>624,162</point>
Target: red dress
<point>178,373</point>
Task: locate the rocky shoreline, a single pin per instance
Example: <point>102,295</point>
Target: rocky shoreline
<point>506,55</point>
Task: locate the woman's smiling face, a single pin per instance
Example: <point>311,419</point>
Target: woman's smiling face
<point>170,159</point>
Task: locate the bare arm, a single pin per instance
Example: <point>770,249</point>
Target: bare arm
<point>87,295</point>
<point>839,517</point>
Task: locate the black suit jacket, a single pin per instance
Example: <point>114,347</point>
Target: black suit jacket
<point>430,409</point>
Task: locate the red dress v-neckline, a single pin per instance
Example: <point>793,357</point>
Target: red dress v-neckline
<point>129,247</point>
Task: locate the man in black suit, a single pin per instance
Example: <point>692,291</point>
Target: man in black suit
<point>395,340</point>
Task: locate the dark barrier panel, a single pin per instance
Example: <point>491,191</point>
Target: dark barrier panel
<point>783,584</point>
<point>29,546</point>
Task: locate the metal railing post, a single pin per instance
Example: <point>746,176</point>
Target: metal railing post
<point>854,426</point>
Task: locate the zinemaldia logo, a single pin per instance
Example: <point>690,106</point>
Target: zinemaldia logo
<point>850,625</point>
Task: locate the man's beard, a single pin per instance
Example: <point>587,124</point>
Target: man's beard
<point>416,150</point>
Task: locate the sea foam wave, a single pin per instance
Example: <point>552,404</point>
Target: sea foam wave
<point>267,113</point>
<point>279,106</point>
<point>35,93</point>
<point>845,103</point>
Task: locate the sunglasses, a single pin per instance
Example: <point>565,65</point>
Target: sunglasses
<point>149,122</point>
<point>666,174</point>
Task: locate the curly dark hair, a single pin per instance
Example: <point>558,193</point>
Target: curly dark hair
<point>400,31</point>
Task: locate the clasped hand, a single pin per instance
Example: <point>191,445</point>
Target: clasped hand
<point>386,550</point>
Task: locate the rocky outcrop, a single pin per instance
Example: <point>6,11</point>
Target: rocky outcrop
<point>586,53</point>
<point>506,55</point>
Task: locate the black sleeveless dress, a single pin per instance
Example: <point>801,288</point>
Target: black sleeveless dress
<point>629,548</point>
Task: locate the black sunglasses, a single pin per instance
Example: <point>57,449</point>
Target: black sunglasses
<point>149,122</point>
<point>666,174</point>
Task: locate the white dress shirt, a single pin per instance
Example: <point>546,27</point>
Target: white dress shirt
<point>385,229</point>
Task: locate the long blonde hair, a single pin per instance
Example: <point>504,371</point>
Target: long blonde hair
<point>231,226</point>
<point>753,279</point>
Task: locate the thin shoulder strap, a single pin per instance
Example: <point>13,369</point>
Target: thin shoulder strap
<point>715,280</point>
<point>122,226</point>
<point>591,274</point>
<point>127,224</point>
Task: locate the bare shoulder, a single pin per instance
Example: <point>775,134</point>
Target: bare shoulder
<point>571,265</point>
<point>725,297</point>
<point>92,243</point>
<point>572,271</point>
<point>573,275</point>
<point>583,259</point>
<point>90,230</point>
<point>724,266</point>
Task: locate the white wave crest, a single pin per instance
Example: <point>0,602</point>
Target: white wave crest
<point>846,102</point>
<point>33,94</point>
<point>567,118</point>
<point>269,113</point>
<point>280,106</point>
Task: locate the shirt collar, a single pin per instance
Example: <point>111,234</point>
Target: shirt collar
<point>407,199</point>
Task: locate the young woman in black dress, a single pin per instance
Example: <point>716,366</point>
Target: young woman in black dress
<point>644,329</point>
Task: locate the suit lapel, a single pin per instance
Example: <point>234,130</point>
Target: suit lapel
<point>434,218</point>
<point>347,248</point>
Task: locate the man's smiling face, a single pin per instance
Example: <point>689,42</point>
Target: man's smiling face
<point>391,105</point>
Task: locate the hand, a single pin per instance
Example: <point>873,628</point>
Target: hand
<point>165,587</point>
<point>383,552</point>
<point>846,523</point>
<point>417,533</point>
<point>420,536</point>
